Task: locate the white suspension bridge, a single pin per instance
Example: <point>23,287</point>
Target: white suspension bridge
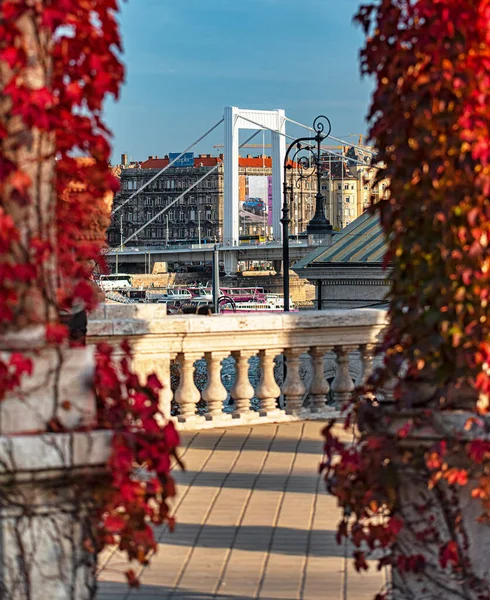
<point>234,120</point>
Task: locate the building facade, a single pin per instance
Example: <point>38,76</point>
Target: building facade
<point>349,186</point>
<point>197,213</point>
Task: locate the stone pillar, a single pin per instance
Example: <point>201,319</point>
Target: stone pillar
<point>368,352</point>
<point>268,391</point>
<point>45,503</point>
<point>215,392</point>
<point>242,392</point>
<point>187,395</point>
<point>437,514</point>
<point>319,385</point>
<point>34,219</point>
<point>46,479</point>
<point>293,387</point>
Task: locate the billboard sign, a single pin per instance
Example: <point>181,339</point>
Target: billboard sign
<point>255,204</point>
<point>186,160</point>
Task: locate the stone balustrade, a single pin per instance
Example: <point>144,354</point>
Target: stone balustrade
<point>325,353</point>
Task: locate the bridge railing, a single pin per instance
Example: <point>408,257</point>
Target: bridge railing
<point>228,369</point>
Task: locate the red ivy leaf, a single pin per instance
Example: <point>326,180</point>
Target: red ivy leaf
<point>360,561</point>
<point>132,578</point>
<point>56,333</point>
<point>21,363</point>
<point>448,555</point>
<point>114,523</point>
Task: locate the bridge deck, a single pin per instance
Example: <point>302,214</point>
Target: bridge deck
<point>254,521</point>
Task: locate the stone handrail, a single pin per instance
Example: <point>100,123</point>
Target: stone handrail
<point>318,346</point>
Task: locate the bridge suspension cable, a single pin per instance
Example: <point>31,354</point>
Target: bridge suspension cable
<point>172,162</point>
<point>343,142</point>
<point>290,137</point>
<point>191,187</point>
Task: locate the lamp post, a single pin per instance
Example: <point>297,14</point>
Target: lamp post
<point>303,160</point>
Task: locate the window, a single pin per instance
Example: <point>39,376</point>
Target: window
<point>346,212</point>
<point>347,198</point>
<point>339,187</point>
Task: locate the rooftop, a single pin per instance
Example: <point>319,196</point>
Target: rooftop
<point>361,242</point>
<point>207,160</point>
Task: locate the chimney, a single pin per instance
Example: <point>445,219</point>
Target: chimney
<point>124,160</point>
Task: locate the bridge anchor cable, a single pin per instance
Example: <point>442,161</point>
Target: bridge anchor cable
<point>172,162</point>
<point>191,187</point>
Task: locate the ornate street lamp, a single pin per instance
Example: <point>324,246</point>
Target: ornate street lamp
<point>303,161</point>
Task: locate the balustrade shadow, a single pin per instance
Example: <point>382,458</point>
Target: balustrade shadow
<point>257,538</point>
<point>273,483</point>
<point>283,445</point>
<point>109,590</point>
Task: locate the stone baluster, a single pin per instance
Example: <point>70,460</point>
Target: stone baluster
<point>215,392</point>
<point>388,391</point>
<point>242,392</point>
<point>268,391</point>
<point>187,395</point>
<point>319,384</point>
<point>368,352</point>
<point>145,365</point>
<point>293,387</point>
<point>342,386</point>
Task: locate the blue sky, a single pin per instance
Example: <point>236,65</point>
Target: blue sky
<point>187,59</point>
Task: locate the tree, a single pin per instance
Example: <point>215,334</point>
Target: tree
<point>422,452</point>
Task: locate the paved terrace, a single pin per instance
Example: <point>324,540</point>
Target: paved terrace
<point>254,521</point>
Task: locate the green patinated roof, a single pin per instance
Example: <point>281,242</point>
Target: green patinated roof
<point>360,242</point>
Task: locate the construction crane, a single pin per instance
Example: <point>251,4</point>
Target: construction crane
<point>359,135</point>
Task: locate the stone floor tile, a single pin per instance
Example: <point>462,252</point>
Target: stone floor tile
<point>252,515</point>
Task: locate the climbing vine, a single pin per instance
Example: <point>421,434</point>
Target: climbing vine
<point>59,60</point>
<point>430,124</point>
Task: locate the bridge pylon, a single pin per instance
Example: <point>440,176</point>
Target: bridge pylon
<point>236,119</point>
